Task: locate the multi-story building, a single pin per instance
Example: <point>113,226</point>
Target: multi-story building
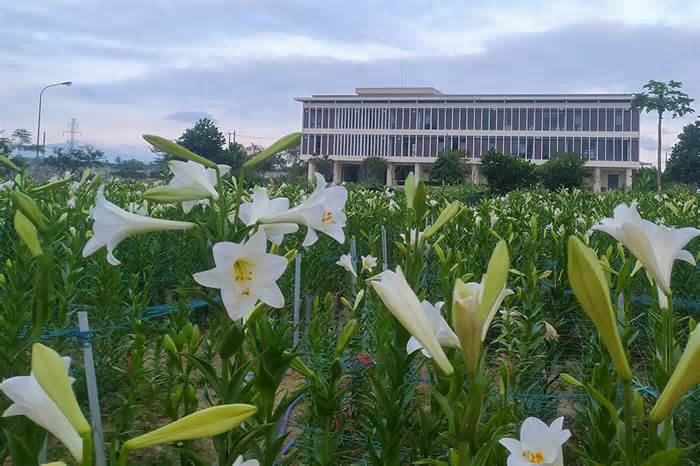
<point>409,127</point>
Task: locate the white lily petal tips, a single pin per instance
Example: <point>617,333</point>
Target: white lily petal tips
<point>656,246</point>
<point>345,262</point>
<point>30,400</point>
<point>403,303</point>
<point>114,224</point>
<point>240,462</point>
<point>196,177</point>
<point>368,263</point>
<point>323,211</point>
<point>444,334</point>
<point>245,273</point>
<point>273,215</point>
<point>539,443</point>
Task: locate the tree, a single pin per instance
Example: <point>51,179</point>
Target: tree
<point>373,169</point>
<point>562,171</point>
<point>78,157</point>
<point>22,137</point>
<point>205,139</point>
<point>644,179</point>
<point>5,146</point>
<point>449,168</point>
<point>505,173</point>
<point>662,97</point>
<point>684,164</point>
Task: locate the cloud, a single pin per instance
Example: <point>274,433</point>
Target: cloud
<point>187,116</point>
<point>245,61</point>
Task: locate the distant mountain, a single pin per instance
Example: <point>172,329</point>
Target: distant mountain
<point>123,151</point>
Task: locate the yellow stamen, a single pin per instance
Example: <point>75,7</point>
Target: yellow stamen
<point>242,271</point>
<point>535,457</point>
<point>327,217</point>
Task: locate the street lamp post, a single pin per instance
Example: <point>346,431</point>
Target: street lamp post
<point>38,125</point>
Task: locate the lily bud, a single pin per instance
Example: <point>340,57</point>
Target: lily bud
<point>27,233</point>
<point>299,366</point>
<point>346,337</point>
<point>50,371</point>
<point>282,144</point>
<point>176,150</point>
<point>475,304</point>
<point>686,374</point>
<point>8,163</point>
<point>447,214</point>
<point>205,423</point>
<point>169,194</point>
<point>590,287</point>
<point>29,208</point>
<point>51,185</point>
<point>467,322</point>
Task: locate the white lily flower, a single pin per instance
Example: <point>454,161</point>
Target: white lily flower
<point>493,218</point>
<point>240,462</point>
<point>444,334</point>
<point>245,273</point>
<point>330,218</point>
<point>113,224</point>
<point>273,215</point>
<point>345,262</point>
<point>538,444</point>
<point>403,303</point>
<point>656,246</point>
<point>393,205</point>
<point>7,185</point>
<point>197,177</point>
<point>368,263</point>
<point>30,400</point>
<point>71,202</point>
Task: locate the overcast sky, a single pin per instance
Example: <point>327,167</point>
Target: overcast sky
<point>156,66</point>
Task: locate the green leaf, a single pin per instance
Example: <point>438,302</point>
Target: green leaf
<point>176,150</point>
<point>282,144</point>
<point>668,457</point>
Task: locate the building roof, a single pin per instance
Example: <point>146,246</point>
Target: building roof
<point>432,95</point>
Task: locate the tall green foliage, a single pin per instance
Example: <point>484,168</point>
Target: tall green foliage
<point>661,97</point>
<point>562,171</point>
<point>505,173</point>
<point>684,164</point>
<point>205,139</point>
<point>449,168</point>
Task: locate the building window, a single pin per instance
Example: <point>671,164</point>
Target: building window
<point>545,148</point>
<point>499,119</point>
<point>507,119</point>
<point>441,119</point>
<point>485,118</point>
<point>610,120</point>
<point>578,120</point>
<point>537,152</point>
<point>562,120</point>
<point>516,119</point>
<point>635,120</point>
<point>530,119</point>
<point>618,119</point>
<point>493,119</point>
<point>538,119</point>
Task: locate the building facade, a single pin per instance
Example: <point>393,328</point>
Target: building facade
<point>409,127</point>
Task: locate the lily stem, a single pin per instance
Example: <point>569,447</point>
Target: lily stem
<point>629,421</point>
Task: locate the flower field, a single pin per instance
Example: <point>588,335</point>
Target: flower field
<point>233,323</point>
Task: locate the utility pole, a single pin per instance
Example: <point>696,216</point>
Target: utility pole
<point>73,130</point>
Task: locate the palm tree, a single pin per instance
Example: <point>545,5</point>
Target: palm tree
<point>662,97</point>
